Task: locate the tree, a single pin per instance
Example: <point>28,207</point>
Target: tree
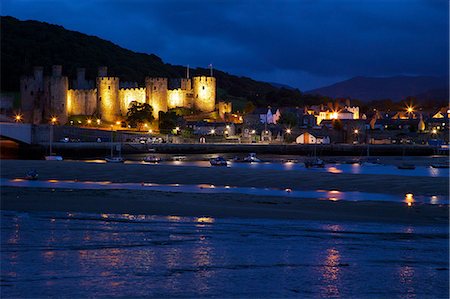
<point>249,107</point>
<point>288,119</point>
<point>139,113</point>
<point>167,121</point>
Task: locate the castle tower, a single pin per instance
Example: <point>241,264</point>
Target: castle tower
<point>56,87</point>
<point>156,94</point>
<point>204,89</point>
<point>107,96</point>
<point>31,94</point>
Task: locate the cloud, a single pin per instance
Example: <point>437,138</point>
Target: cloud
<point>316,40</point>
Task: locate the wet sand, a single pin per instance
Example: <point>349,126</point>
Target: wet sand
<point>221,205</point>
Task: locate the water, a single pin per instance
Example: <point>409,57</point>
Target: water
<point>333,195</point>
<point>336,168</point>
<point>80,255</point>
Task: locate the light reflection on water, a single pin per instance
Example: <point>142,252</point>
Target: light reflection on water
<point>151,256</point>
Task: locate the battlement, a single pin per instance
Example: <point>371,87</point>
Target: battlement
<point>155,79</point>
<point>205,79</point>
<point>132,89</point>
<point>83,90</point>
<point>108,79</point>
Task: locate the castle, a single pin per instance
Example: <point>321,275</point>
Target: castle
<point>46,97</point>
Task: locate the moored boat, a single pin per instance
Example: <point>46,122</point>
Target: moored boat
<point>152,159</point>
<point>114,159</point>
<point>252,158</point>
<point>314,163</point>
<point>218,161</point>
<point>440,165</point>
<point>53,158</point>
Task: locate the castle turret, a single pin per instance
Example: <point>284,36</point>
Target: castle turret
<point>56,87</point>
<point>32,96</point>
<point>107,96</point>
<point>156,94</point>
<point>204,93</point>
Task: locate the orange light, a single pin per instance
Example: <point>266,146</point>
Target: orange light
<point>54,119</point>
<point>89,121</point>
<point>118,122</point>
<point>18,117</point>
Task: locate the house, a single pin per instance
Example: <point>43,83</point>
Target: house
<point>308,138</point>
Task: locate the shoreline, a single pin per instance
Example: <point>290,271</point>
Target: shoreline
<point>221,204</point>
<point>240,177</point>
<point>217,206</point>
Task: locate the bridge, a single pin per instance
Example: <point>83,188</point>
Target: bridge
<point>22,133</point>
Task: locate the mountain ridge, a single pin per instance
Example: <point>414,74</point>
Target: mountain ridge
<point>396,88</point>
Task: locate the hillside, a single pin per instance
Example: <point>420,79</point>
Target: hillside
<point>395,88</point>
<point>29,43</point>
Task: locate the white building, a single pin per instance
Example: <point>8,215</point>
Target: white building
<point>308,138</point>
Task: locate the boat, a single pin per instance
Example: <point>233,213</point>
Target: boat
<point>179,158</point>
<point>252,158</point>
<point>371,161</point>
<point>152,159</point>
<point>32,175</point>
<point>218,161</point>
<point>440,165</point>
<point>54,158</point>
<point>406,166</point>
<point>114,159</point>
<point>314,163</point>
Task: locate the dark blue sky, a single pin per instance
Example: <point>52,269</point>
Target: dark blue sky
<point>303,43</point>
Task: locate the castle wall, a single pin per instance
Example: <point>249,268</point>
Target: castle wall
<point>56,97</point>
<point>224,107</point>
<point>108,98</point>
<point>128,95</point>
<point>204,93</point>
<point>156,94</point>
<point>81,101</point>
<point>176,98</point>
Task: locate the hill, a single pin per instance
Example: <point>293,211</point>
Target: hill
<point>395,88</point>
<point>29,43</point>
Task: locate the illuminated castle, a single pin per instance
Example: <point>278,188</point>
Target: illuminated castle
<point>43,98</point>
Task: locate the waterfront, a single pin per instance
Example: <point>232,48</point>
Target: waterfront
<point>89,255</point>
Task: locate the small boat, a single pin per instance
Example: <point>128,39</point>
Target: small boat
<point>314,163</point>
<point>406,166</point>
<point>252,158</point>
<point>440,165</point>
<point>114,159</point>
<point>152,159</point>
<point>179,158</point>
<point>53,158</point>
<point>32,175</point>
<point>371,162</point>
<point>218,161</point>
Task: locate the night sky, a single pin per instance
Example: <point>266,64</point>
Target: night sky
<point>302,43</point>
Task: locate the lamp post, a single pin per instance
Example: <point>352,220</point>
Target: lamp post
<point>53,122</point>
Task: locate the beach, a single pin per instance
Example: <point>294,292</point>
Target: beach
<point>221,205</point>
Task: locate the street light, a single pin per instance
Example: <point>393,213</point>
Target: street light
<point>434,131</point>
<point>89,121</point>
<point>213,131</point>
<point>98,121</point>
<point>288,131</point>
<point>54,120</point>
<point>356,131</point>
<point>18,118</point>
